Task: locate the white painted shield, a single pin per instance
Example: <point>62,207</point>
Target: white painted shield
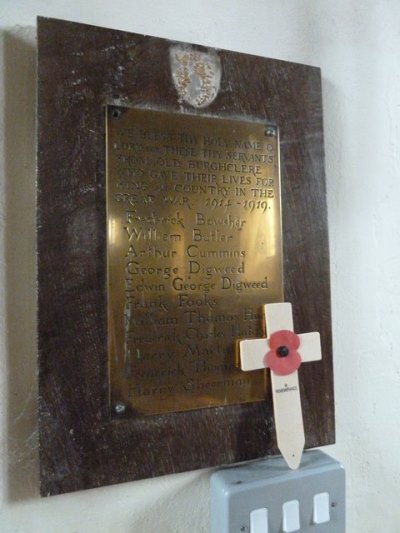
<point>196,75</point>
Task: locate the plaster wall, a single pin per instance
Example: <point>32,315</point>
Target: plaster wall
<point>357,45</point>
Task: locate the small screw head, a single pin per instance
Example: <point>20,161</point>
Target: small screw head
<point>270,131</point>
<point>243,529</point>
<point>116,113</point>
<point>120,408</point>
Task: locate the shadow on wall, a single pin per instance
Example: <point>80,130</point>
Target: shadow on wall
<point>19,56</point>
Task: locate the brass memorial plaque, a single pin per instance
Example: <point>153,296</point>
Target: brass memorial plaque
<point>194,251</point>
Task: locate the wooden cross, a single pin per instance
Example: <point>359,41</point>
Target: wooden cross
<point>283,352</point>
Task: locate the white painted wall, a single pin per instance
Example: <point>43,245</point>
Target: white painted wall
<point>357,44</point>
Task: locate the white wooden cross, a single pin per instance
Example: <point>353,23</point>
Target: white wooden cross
<point>281,354</point>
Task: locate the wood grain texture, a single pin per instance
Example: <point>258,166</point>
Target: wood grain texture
<point>82,68</point>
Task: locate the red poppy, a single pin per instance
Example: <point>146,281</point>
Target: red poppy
<point>283,358</point>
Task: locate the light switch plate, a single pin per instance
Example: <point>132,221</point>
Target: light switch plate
<point>268,484</point>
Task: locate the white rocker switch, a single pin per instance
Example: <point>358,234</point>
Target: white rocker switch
<point>259,521</point>
<point>291,516</point>
<point>321,513</point>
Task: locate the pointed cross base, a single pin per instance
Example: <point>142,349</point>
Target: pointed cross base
<point>283,352</point>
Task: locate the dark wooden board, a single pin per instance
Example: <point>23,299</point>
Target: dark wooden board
<point>82,68</point>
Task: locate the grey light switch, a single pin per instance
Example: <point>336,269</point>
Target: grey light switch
<point>264,496</point>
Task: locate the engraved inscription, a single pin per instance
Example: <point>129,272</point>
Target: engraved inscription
<point>194,251</point>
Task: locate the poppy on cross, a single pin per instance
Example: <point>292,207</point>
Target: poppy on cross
<point>283,352</point>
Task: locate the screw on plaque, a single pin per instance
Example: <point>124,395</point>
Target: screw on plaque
<point>270,131</point>
<point>120,408</point>
<point>116,113</point>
